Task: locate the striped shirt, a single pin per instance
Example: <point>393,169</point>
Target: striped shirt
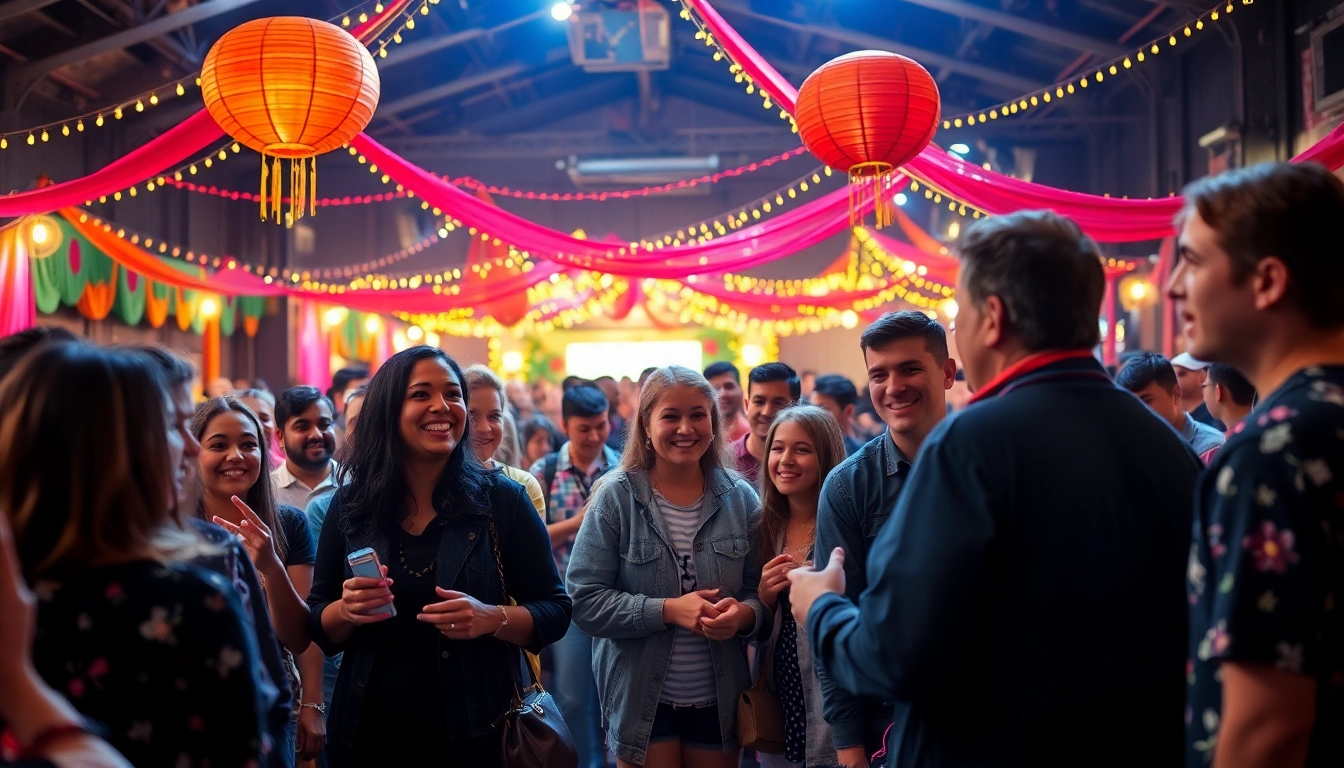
<point>690,672</point>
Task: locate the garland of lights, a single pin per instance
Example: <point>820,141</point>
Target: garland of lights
<point>476,185</point>
<point>1096,75</point>
<point>143,101</point>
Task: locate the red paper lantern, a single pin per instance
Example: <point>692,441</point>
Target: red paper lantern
<point>866,114</point>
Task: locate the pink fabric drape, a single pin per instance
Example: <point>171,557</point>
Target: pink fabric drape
<point>1106,219</point>
<point>314,349</point>
<point>18,306</point>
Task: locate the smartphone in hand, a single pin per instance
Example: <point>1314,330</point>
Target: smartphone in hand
<point>364,564</point>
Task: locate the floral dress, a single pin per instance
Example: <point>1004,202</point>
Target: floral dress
<point>161,656</point>
<point>1266,571</point>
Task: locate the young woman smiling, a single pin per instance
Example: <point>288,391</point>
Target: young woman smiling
<point>436,677</point>
<point>664,575</point>
<point>238,496</point>
<point>803,446</point>
<point>490,423</point>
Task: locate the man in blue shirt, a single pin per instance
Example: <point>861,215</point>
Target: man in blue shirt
<point>1153,380</point>
<point>909,373</point>
<point>1024,602</point>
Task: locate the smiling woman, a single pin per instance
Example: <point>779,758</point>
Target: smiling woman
<point>469,572</point>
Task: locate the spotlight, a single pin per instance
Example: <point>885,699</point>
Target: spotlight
<point>901,198</point>
<point>562,11</point>
<point>960,149</point>
<point>40,233</point>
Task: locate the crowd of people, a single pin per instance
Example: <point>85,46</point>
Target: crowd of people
<point>1081,566</point>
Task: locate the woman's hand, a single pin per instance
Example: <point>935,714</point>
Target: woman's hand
<point>687,611</point>
<point>730,618</point>
<point>852,757</point>
<point>311,735</point>
<point>256,537</point>
<point>360,597</point>
<point>461,616</point>
<point>775,579</point>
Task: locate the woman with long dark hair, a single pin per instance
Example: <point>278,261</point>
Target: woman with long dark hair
<point>437,677</point>
<point>237,494</point>
<point>803,446</point>
<point>136,637</point>
<point>664,575</point>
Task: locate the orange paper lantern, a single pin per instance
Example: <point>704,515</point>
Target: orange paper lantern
<point>290,88</point>
<point>866,114</point>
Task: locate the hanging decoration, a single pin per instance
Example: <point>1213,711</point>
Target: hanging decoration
<point>290,88</point>
<point>18,305</point>
<point>866,114</point>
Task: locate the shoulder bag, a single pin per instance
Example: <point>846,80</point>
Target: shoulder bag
<point>532,734</point>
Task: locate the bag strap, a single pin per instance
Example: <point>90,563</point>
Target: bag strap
<point>549,469</point>
<point>499,566</point>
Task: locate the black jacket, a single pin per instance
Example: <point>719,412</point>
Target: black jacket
<point>1025,602</point>
<point>479,673</point>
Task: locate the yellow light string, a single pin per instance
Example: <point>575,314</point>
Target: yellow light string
<point>734,68</point>
<point>1097,74</point>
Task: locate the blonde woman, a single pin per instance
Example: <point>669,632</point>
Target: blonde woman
<point>663,575</point>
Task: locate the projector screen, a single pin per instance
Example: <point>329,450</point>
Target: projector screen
<point>591,359</point>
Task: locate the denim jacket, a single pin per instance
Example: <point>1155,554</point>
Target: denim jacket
<point>623,567</point>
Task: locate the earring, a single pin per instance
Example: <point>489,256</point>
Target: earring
<point>648,443</point>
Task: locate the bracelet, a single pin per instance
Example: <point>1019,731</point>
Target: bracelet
<point>505,623</point>
<point>51,735</point>
<point>321,708</point>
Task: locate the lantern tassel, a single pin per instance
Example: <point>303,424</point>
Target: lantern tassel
<point>277,188</point>
<point>312,188</point>
<point>263,187</point>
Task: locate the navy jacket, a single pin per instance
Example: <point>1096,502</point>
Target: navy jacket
<point>1025,602</point>
<point>477,676</point>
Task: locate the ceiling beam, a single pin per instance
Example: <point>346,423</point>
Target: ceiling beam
<point>1026,27</point>
<point>1018,83</point>
<point>412,51</point>
<point>19,7</point>
<point>464,84</point>
<point>600,92</point>
<point>434,149</point>
<point>148,31</point>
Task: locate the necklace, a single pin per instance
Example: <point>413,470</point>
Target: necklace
<point>803,548</point>
<point>401,556</point>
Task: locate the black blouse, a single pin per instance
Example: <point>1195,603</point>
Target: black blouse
<point>403,682</point>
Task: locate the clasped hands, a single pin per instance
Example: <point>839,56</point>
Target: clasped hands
<point>458,616</point>
<point>697,612</point>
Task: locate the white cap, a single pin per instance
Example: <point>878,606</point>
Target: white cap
<point>1189,363</point>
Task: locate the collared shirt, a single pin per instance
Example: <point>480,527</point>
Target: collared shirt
<point>1200,436</point>
<point>1264,580</point>
<point>748,466</point>
<point>569,492</point>
<point>294,492</point>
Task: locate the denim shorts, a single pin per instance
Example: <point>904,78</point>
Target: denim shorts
<point>694,725</point>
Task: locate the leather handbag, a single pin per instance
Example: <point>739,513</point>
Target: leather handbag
<point>532,734</point>
<point>760,721</point>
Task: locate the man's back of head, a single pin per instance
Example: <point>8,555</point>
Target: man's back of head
<point>15,346</point>
<point>1030,282</point>
<point>1229,395</point>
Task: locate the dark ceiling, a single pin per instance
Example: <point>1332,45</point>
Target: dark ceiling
<point>483,73</point>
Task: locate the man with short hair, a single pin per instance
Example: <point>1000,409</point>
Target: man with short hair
<point>1026,607</point>
<point>1153,380</point>
<point>1228,395</point>
<point>838,395</point>
<point>567,478</point>
<point>1258,287</point>
<point>345,381</point>
<point>808,381</point>
<point>303,425</point>
<point>771,388</point>
<point>723,376</point>
<point>909,373</point>
<point>1192,374</point>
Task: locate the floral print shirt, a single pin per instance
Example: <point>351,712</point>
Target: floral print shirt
<point>161,656</point>
<point>1266,569</point>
